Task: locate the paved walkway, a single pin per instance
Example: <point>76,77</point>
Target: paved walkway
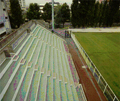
<point>90,86</point>
<point>111,29</point>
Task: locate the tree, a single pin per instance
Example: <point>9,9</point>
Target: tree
<point>82,13</point>
<point>47,12</point>
<point>87,13</point>
<point>117,17</point>
<point>65,13</point>
<point>15,14</point>
<point>114,9</point>
<point>58,17</point>
<point>75,14</point>
<point>57,9</point>
<point>105,15</point>
<point>96,14</point>
<point>100,14</point>
<point>33,11</point>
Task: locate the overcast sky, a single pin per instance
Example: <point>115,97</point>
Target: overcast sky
<point>44,1</point>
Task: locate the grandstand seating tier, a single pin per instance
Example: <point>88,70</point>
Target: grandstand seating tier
<point>39,70</point>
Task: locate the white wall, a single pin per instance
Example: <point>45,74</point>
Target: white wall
<point>2,58</point>
<point>4,14</point>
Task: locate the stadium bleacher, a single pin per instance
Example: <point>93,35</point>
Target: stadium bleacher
<point>40,70</point>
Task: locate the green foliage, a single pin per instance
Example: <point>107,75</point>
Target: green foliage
<point>58,16</point>
<point>47,12</point>
<point>57,9</point>
<point>82,13</point>
<point>65,13</point>
<point>88,13</point>
<point>96,14</point>
<point>33,11</point>
<point>15,15</point>
<point>62,14</point>
<point>57,13</point>
<point>75,12</point>
<point>113,10</point>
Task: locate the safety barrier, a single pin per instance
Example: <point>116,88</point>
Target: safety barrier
<point>110,95</point>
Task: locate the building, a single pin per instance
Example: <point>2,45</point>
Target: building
<point>4,20</point>
<point>22,4</point>
<point>55,3</point>
<point>41,7</point>
<point>102,1</point>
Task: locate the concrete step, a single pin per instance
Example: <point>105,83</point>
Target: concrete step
<point>11,61</point>
<point>28,72</point>
<point>36,51</point>
<point>17,65</point>
<point>43,82</point>
<point>28,64</point>
<point>33,93</point>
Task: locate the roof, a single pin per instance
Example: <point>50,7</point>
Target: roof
<point>41,69</point>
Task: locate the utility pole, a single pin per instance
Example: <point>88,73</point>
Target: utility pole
<point>52,15</point>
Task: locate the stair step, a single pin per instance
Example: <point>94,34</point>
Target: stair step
<point>77,84</point>
<point>42,70</point>
<point>54,75</point>
<point>20,82</point>
<point>23,61</point>
<point>60,78</point>
<point>71,82</point>
<point>36,67</point>
<point>65,80</point>
<point>22,55</point>
<point>48,73</point>
<point>29,64</point>
<point>16,57</point>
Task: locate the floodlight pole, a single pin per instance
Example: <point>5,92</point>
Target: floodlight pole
<point>52,15</point>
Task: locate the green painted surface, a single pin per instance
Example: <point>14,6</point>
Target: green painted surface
<point>104,50</point>
<point>13,86</point>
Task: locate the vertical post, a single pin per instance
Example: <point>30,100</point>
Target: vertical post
<point>105,88</point>
<point>94,72</point>
<point>99,78</point>
<point>52,15</point>
<point>114,98</point>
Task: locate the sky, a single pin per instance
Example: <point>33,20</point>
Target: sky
<point>44,1</point>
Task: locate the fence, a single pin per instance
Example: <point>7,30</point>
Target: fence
<point>110,95</point>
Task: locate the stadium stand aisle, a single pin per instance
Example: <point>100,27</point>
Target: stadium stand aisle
<point>39,71</point>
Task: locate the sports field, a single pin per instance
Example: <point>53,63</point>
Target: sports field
<point>104,51</point>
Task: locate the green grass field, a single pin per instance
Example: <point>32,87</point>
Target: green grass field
<point>104,51</point>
